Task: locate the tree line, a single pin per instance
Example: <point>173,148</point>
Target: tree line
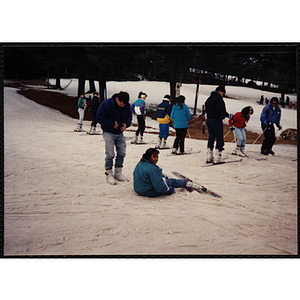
<point>268,63</point>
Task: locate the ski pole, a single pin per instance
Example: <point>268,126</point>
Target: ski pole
<point>257,138</point>
<point>189,133</point>
<point>226,134</point>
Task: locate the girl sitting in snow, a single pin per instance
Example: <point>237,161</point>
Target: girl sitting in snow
<point>237,125</point>
<point>148,179</point>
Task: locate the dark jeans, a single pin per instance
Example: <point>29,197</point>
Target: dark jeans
<point>141,125</point>
<point>215,131</point>
<point>180,137</point>
<point>94,123</point>
<point>270,138</point>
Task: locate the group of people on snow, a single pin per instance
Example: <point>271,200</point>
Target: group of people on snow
<point>115,116</point>
<point>281,102</point>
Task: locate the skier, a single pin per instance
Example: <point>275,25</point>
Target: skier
<point>94,107</point>
<point>237,125</point>
<point>149,181</point>
<point>216,111</point>
<point>180,114</point>
<point>261,101</point>
<point>271,114</point>
<point>115,117</point>
<point>81,108</point>
<point>138,108</point>
<point>163,113</point>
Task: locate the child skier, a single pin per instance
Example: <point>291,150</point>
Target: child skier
<point>138,108</point>
<point>163,113</point>
<point>237,124</point>
<point>149,181</point>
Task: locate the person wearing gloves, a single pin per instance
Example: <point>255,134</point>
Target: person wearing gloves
<point>216,111</point>
<point>115,117</point>
<point>163,113</point>
<point>138,108</point>
<point>271,114</point>
<point>237,124</point>
<point>149,181</point>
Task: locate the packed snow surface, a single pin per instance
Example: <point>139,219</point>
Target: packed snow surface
<point>57,200</point>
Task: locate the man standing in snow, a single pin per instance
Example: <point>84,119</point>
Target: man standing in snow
<point>115,116</point>
<point>138,108</point>
<point>216,111</point>
<point>270,115</point>
<point>163,113</point>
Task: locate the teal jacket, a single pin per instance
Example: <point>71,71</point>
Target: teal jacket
<point>180,116</point>
<point>147,178</point>
<point>81,103</point>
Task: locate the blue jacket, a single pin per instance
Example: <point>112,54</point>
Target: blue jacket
<point>109,112</point>
<point>163,112</point>
<point>180,116</point>
<point>148,177</point>
<point>268,115</point>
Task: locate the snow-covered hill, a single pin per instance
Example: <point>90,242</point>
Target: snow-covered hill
<point>57,201</point>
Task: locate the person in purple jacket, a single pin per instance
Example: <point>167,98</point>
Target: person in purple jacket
<point>138,108</point>
<point>271,114</point>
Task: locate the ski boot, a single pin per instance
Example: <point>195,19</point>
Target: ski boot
<point>209,158</point>
<point>159,141</point>
<point>134,140</point>
<point>218,159</point>
<point>190,185</point>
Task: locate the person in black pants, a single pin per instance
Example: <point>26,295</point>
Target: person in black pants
<point>216,111</point>
<point>180,115</point>
<point>94,107</point>
<point>271,114</point>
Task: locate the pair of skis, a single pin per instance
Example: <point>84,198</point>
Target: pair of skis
<point>256,158</point>
<point>222,163</point>
<point>202,188</point>
<point>190,151</point>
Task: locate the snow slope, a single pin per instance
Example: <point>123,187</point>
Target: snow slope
<point>57,201</point>
<point>237,98</point>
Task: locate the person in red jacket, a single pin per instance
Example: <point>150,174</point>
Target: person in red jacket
<point>237,124</point>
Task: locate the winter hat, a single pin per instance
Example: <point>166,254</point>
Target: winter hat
<point>142,95</point>
<point>123,97</point>
<point>167,97</point>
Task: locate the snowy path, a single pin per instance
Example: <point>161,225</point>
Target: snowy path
<point>57,201</point>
